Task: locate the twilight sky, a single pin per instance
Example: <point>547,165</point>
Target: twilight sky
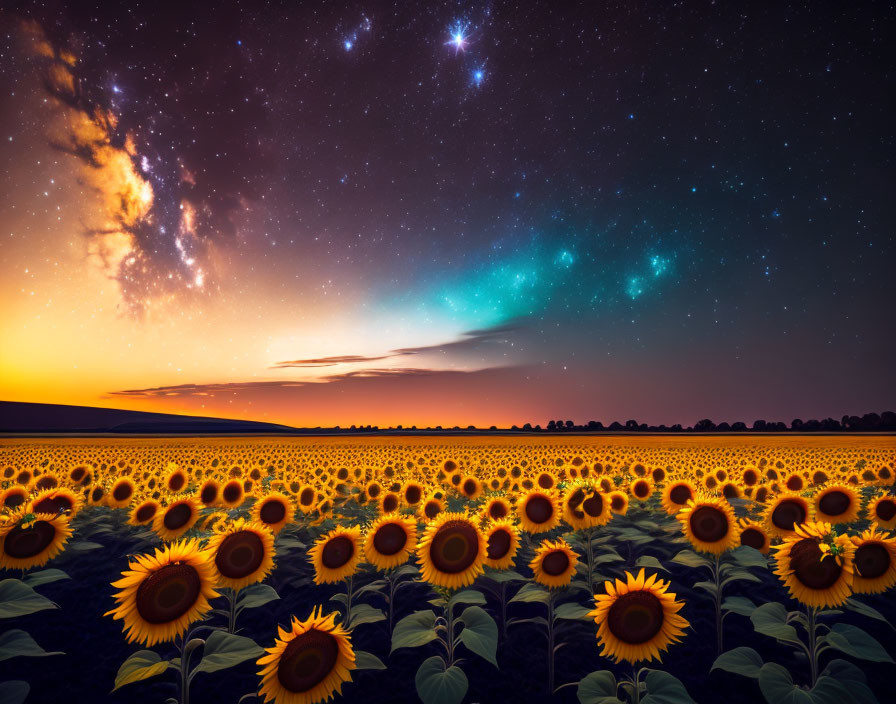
<point>449,213</point>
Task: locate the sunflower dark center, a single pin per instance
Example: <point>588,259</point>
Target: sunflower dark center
<point>539,509</point>
<point>307,660</point>
<point>52,504</point>
<point>272,511</point>
<point>177,516</point>
<point>635,617</point>
<point>168,593</point>
<point>306,498</point>
<point>389,539</point>
<point>709,524</point>
<point>413,494</point>
<point>886,510</point>
<point>144,513</point>
<point>208,494</point>
<point>232,492</point>
<point>794,483</point>
<point>555,563</point>
<point>750,477</point>
<point>390,503</point>
<point>872,560</point>
<point>46,483</point>
<point>616,503</point>
<point>788,513</point>
<point>545,481</point>
<point>498,544</point>
<point>497,510</point>
<point>593,505</point>
<point>469,487</point>
<point>78,474</point>
<point>454,547</point>
<point>22,543</point>
<point>14,500</point>
<point>681,494</point>
<point>752,538</point>
<point>122,492</point>
<point>176,483</point>
<point>641,489</point>
<point>811,567</point>
<point>834,503</point>
<point>337,552</point>
<point>373,491</point>
<point>729,491</point>
<point>239,554</point>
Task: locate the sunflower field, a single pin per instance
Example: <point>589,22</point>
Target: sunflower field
<point>648,570</point>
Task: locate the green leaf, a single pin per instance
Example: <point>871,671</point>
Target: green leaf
<point>689,558</point>
<point>741,661</point>
<point>140,666</point>
<point>531,592</point>
<point>365,613</point>
<point>749,557</point>
<point>852,678</point>
<point>650,562</point>
<point>741,575</point>
<point>367,661</point>
<point>467,596</point>
<point>16,642</point>
<point>18,599</point>
<point>438,685</point>
<point>82,546</point>
<point>14,691</point>
<point>706,586</point>
<point>663,688</point>
<point>377,586</point>
<point>571,611</point>
<point>223,650</point>
<point>777,686</point>
<point>598,688</point>
<point>35,579</point>
<point>860,607</point>
<point>608,555</point>
<point>256,595</point>
<point>283,544</point>
<point>770,619</point>
<point>739,605</point>
<point>503,576</point>
<point>480,633</point>
<point>414,630</point>
<point>856,642</point>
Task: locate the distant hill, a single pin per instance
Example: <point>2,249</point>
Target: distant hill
<point>17,418</point>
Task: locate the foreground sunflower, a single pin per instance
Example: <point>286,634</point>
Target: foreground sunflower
<point>754,535</point>
<point>502,541</point>
<point>390,541</point>
<point>785,512</point>
<point>176,519</point>
<point>816,565</point>
<point>452,551</point>
<point>637,619</point>
<point>554,564</point>
<point>143,511</point>
<point>676,495</point>
<point>308,663</point>
<point>29,539</point>
<point>538,511</point>
<point>882,511</point>
<point>59,500</point>
<point>585,507</point>
<point>709,524</point>
<point>336,554</point>
<point>162,594</point>
<point>874,562</point>
<point>274,510</point>
<point>242,553</point>
<point>430,508</point>
<point>495,509</point>
<point>838,503</point>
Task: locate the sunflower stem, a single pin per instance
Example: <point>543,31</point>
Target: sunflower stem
<point>636,685</point>
<point>551,598</point>
<point>718,604</point>
<point>231,621</point>
<point>813,647</point>
<point>588,534</point>
<point>349,592</point>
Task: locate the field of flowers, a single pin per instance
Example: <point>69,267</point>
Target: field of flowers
<point>651,570</point>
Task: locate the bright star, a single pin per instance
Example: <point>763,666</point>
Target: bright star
<point>459,36</point>
<point>478,76</point>
<point>347,44</point>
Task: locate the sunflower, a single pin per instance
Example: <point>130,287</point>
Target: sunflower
<point>13,497</point>
<point>470,487</point>
<point>232,493</point>
<point>390,541</point>
<point>274,511</point>
<point>389,502</point>
<point>143,511</point>
<point>176,518</point>
<point>676,495</point>
<point>121,493</point>
<point>210,492</point>
<point>750,476</point>
<point>308,663</point>
<point>874,562</point>
<point>176,479</point>
<point>502,541</point>
<point>336,555</point>
<point>795,482</point>
<point>538,511</point>
<point>308,498</point>
<point>816,565</point>
<point>29,539</point>
<point>411,493</point>
<point>754,535</point>
<point>618,502</point>
<point>554,564</point>
<point>452,551</point>
<point>882,511</point>
<point>641,489</point>
<point>585,507</point>
<point>80,474</point>
<point>837,503</point>
<point>709,524</point>
<point>372,491</point>
<point>546,481</point>
<point>430,508</point>
<point>637,619</point>
<point>785,512</point>
<point>59,500</point>
<point>162,594</point>
<point>242,553</point>
<point>496,508</point>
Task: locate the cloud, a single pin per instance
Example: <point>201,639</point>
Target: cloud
<point>331,361</point>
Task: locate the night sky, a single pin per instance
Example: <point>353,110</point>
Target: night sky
<point>450,213</point>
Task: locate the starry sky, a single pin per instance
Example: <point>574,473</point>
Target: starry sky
<point>449,212</point>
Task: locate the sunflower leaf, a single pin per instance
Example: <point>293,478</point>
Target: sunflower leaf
<point>770,619</point>
<point>365,613</point>
<point>598,688</point>
<point>503,575</point>
<point>650,562</point>
<point>572,611</point>
<point>18,599</point>
<point>437,684</point>
<point>689,558</point>
<point>14,691</point>
<point>140,666</point>
<point>857,643</point>
<point>531,592</point>
<point>35,579</point>
<point>467,596</point>
<point>16,642</point>
<point>255,595</point>
<point>739,605</point>
<point>414,630</point>
<point>778,687</point>
<point>853,678</point>
<point>480,633</point>
<point>739,575</point>
<point>863,608</point>
<point>749,557</point>
<point>663,688</point>
<point>367,661</point>
<point>223,650</point>
<point>741,661</point>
